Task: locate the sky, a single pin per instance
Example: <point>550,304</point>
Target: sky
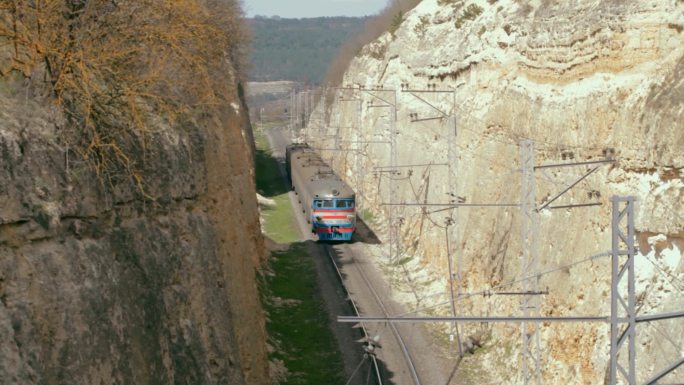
<point>312,8</point>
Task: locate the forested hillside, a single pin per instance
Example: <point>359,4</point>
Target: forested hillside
<point>298,49</point>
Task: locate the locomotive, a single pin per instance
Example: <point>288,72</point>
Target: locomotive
<point>327,201</point>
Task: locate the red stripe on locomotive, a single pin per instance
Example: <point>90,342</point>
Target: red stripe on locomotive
<point>339,230</point>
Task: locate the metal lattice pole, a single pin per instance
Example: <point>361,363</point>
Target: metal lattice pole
<point>452,230</point>
<point>337,125</point>
<point>322,130</point>
<point>531,349</point>
<point>293,115</point>
<point>393,163</point>
<point>305,115</point>
<point>360,198</point>
<point>621,312</point>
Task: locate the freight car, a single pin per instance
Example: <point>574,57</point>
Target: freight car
<point>327,202</point>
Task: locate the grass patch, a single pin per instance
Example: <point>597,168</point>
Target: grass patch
<point>279,219</point>
<point>367,216</point>
<point>298,321</point>
<point>269,182</point>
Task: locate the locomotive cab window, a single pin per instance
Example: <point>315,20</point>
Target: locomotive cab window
<point>345,204</point>
<point>325,204</point>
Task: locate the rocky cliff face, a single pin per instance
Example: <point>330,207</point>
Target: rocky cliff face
<point>582,80</point>
<point>101,286</point>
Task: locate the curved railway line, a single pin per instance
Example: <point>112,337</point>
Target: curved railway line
<point>395,332</point>
<point>373,359</point>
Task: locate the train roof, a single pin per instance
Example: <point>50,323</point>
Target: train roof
<point>320,177</point>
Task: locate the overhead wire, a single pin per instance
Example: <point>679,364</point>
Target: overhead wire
<point>509,283</point>
<point>425,214</point>
<point>665,335</point>
<point>356,370</point>
<point>489,157</point>
<point>563,185</point>
<point>662,271</point>
<point>506,284</point>
<point>513,136</point>
<point>664,352</point>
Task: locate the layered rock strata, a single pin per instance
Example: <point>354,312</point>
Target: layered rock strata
<point>584,81</point>
<point>100,285</point>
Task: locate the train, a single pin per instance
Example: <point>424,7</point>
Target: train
<point>328,203</point>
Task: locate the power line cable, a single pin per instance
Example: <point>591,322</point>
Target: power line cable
<point>509,283</point>
<point>665,335</point>
<point>356,370</point>
<point>662,271</point>
<point>563,184</point>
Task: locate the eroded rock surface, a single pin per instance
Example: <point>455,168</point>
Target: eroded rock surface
<point>101,286</point>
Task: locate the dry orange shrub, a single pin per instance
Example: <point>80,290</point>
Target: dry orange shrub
<point>115,65</point>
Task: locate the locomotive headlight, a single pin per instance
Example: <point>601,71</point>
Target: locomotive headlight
<point>318,218</point>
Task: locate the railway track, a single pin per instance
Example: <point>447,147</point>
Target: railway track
<point>374,361</point>
<point>401,352</point>
<point>401,343</point>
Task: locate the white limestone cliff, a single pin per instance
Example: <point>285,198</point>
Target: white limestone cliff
<point>580,79</point>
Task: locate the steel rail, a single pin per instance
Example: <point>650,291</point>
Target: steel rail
<point>356,310</point>
<point>395,331</point>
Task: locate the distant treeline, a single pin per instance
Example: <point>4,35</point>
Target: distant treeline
<point>387,20</point>
<point>298,49</point>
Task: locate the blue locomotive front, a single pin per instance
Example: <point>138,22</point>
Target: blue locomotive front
<point>333,219</point>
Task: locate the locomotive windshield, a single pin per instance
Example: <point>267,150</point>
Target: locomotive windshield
<point>324,203</point>
<point>333,203</point>
<point>345,203</point>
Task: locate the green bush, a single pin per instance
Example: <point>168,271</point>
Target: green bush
<point>470,13</point>
<point>421,27</point>
<point>396,22</point>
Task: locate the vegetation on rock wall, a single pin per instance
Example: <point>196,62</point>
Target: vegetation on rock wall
<point>114,67</point>
<point>470,13</point>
